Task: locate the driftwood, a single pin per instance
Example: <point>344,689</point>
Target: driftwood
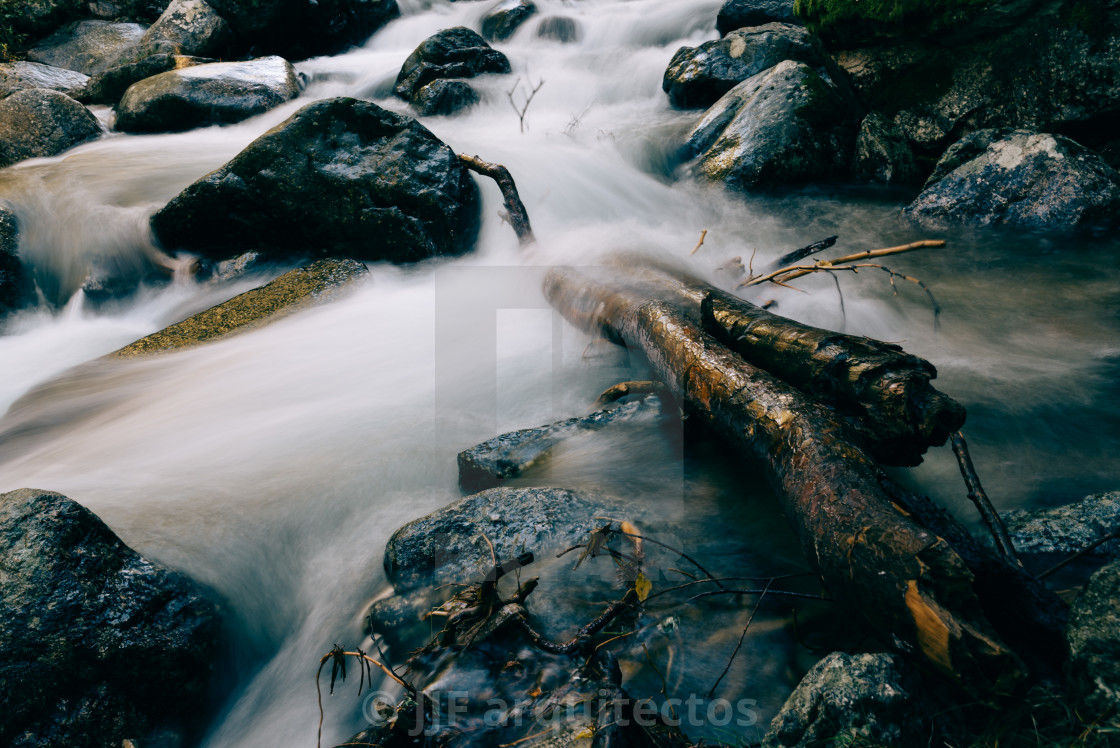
<point>518,216</point>
<point>905,580</point>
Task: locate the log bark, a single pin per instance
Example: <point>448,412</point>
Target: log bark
<point>906,581</point>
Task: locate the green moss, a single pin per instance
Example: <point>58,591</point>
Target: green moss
<point>12,41</point>
<point>902,15</point>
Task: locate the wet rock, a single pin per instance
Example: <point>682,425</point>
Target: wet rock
<point>698,76</point>
<point>13,279</point>
<point>452,53</point>
<point>293,291</point>
<point>216,93</point>
<point>188,27</point>
<point>299,29</point>
<point>446,546</point>
<point>39,17</point>
<point>1047,536</point>
<point>1094,642</point>
<point>443,96</point>
<point>872,699</point>
<point>507,456</point>
<point>90,47</point>
<point>506,17</point>
<point>97,644</point>
<point>883,154</point>
<point>109,87</point>
<point>341,177</point>
<point>1020,178</point>
<point>38,122</point>
<point>141,11</point>
<point>18,76</point>
<point>737,14</point>
<point>786,125</point>
<point>559,29</point>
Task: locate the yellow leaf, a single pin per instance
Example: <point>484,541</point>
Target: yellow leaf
<point>642,586</point>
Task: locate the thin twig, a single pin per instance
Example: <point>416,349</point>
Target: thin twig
<point>796,271</point>
<point>682,554</point>
<point>783,593</point>
<point>742,636</point>
<point>700,243</point>
<point>800,254</point>
<point>528,100</point>
<point>977,496</point>
<point>582,635</point>
<point>1061,564</point>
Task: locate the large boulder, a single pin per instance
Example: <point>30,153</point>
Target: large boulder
<point>698,76</point>
<point>13,279</point>
<point>341,177</point>
<point>90,47</point>
<point>862,699</point>
<point>216,93</point>
<point>1020,178</point>
<point>1094,642</point>
<point>452,53</point>
<point>188,27</point>
<point>40,17</point>
<point>97,644</point>
<point>786,125</point>
<point>18,76</point>
<point>506,17</point>
<point>108,87</point>
<point>298,28</point>
<point>737,14</point>
<point>38,122</point>
<point>1046,536</point>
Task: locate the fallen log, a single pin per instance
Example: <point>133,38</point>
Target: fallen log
<point>906,581</point>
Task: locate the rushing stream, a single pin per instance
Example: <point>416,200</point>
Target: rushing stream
<point>273,466</point>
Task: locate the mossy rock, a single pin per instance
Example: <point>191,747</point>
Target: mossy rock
<point>865,20</point>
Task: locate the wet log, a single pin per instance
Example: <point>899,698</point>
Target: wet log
<point>884,392</point>
<point>905,580</point>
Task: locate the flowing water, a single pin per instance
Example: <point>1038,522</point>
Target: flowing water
<point>273,466</point>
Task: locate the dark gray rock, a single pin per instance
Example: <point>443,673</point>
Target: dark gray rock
<point>1094,642</point>
<point>863,699</point>
<point>443,96</point>
<point>504,457</point>
<point>1020,178</point>
<point>737,14</point>
<point>1049,535</point>
<point>18,76</point>
<point>341,177</point>
<point>97,644</point>
<point>109,87</point>
<point>90,47</point>
<point>188,27</point>
<point>446,546</point>
<point>13,278</point>
<point>298,29</point>
<point>140,11</point>
<point>786,125</point>
<point>698,76</point>
<point>38,122</point>
<point>216,93</point>
<point>883,154</point>
<point>39,17</point>
<point>559,29</point>
<point>452,53</point>
<point>506,17</point>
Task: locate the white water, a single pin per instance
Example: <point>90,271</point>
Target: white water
<point>274,466</point>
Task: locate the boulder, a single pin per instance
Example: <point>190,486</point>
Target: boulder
<point>341,177</point>
<point>37,122</point>
<point>559,29</point>
<point>1094,642</point>
<point>737,14</point>
<point>97,644</point>
<point>443,96</point>
<point>698,76</point>
<point>452,53</point>
<point>786,125</point>
<point>1047,536</point>
<point>143,11</point>
<point>109,87</point>
<point>506,17</point>
<point>861,699</point>
<point>446,545</point>
<point>293,291</point>
<point>1020,178</point>
<point>188,27</point>
<point>298,29</point>
<point>39,17</point>
<point>13,279</point>
<point>90,47</point>
<point>883,154</point>
<point>215,93</point>
<point>18,76</point>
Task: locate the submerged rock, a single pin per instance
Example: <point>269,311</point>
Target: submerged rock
<point>872,699</point>
<point>38,122</point>
<point>90,47</point>
<point>340,177</point>
<point>18,76</point>
<point>216,93</point>
<point>559,28</point>
<point>452,53</point>
<point>443,96</point>
<point>698,76</point>
<point>1020,178</point>
<point>737,14</point>
<point>97,644</point>
<point>507,456</point>
<point>1094,642</point>
<point>786,125</point>
<point>298,289</point>
<point>506,17</point>
<point>109,87</point>
<point>13,279</point>
<point>188,27</point>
